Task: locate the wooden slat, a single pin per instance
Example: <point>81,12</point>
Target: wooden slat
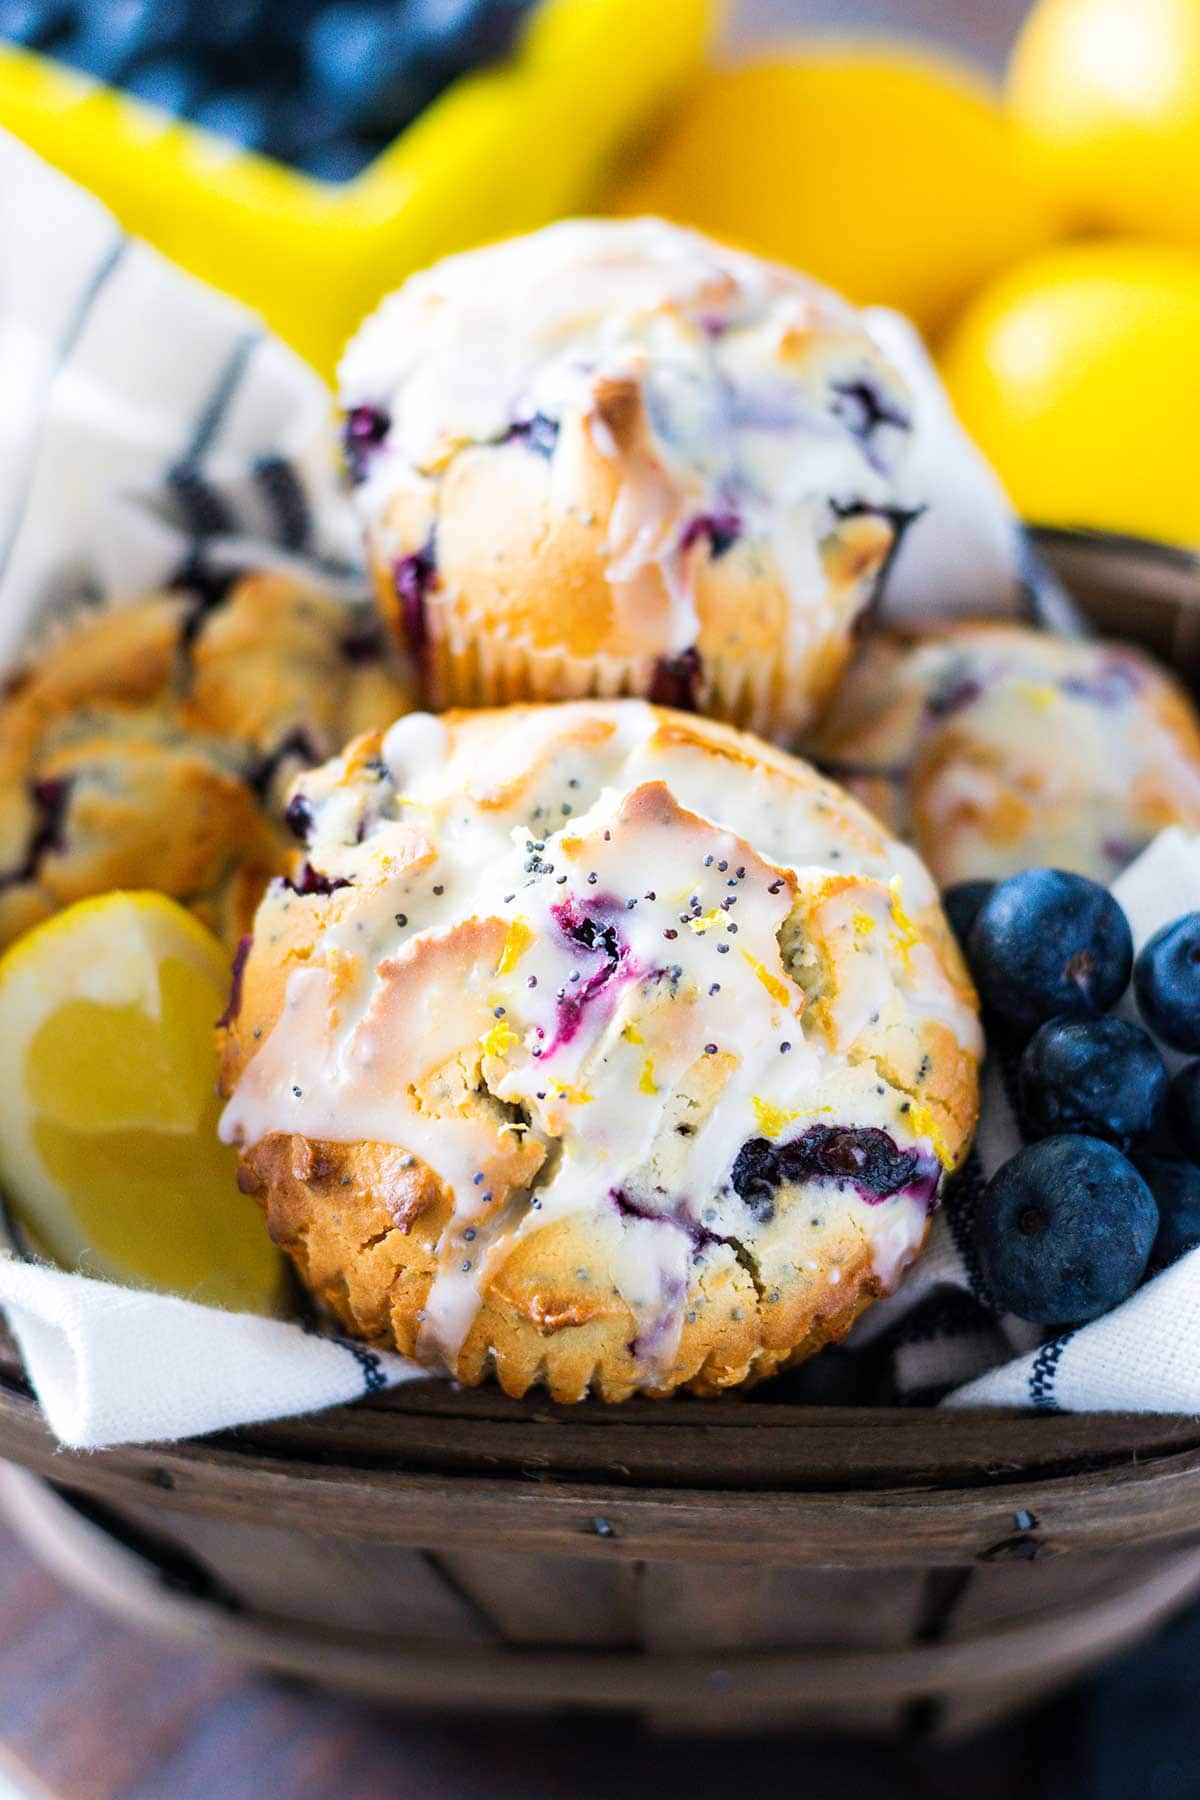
<point>353,1586</point>
<point>730,1684</point>
<point>752,1607</point>
<point>747,1448</point>
<point>1016,1593</point>
<point>1157,1498</point>
<point>550,1600</point>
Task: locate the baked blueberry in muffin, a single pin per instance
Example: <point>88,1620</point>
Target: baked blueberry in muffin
<point>599,1046</point>
<point>613,458</point>
<point>152,745</point>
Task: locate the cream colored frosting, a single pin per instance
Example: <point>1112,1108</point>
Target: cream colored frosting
<point>747,374</point>
<point>487,875</point>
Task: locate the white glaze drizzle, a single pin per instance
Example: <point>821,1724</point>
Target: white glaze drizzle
<point>492,855</point>
<point>742,368</point>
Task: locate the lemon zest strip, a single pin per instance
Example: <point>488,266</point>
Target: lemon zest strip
<point>774,984</point>
<point>516,943</point>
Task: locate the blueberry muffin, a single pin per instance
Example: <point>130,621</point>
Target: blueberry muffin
<point>596,1045</point>
<point>152,745</point>
<point>615,458</point>
<point>994,748</point>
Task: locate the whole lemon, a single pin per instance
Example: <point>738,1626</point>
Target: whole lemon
<point>893,175</point>
<point>1078,374</point>
<point>1106,95</point>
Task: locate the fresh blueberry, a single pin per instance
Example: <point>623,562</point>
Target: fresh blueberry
<point>1064,1231</point>
<point>961,904</point>
<point>349,44</point>
<point>364,62</point>
<point>243,118</point>
<point>338,159</point>
<point>110,34</point>
<point>1183,1110</point>
<point>1100,1076</point>
<point>164,81</point>
<point>1048,944</point>
<point>1166,982</point>
<point>231,23</point>
<point>453,34</point>
<point>33,23</point>
<point>1176,1189</point>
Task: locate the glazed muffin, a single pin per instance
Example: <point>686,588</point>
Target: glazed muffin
<point>616,458</point>
<point>994,748</point>
<point>598,1046</point>
<point>153,745</point>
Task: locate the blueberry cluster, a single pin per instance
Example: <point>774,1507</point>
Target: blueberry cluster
<point>323,87</point>
<point>1107,1186</point>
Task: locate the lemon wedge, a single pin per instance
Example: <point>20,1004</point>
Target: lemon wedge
<point>109,1155</point>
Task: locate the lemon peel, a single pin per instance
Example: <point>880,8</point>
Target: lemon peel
<point>771,1119</point>
<point>517,941</point>
<point>109,1152</point>
<point>774,984</point>
<point>498,1040</point>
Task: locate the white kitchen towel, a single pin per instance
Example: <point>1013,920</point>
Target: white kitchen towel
<point>151,428</point>
<point>115,1365</point>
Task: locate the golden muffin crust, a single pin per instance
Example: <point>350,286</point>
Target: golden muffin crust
<point>598,1046</point>
<point>616,458</point>
<point>152,745</point>
<point>994,748</point>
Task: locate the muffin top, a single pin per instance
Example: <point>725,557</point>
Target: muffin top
<point>998,747</point>
<point>687,397</point>
<point>642,1003</point>
<point>152,744</point>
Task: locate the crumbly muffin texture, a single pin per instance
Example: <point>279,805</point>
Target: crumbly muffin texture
<point>152,745</point>
<point>596,1045</point>
<point>994,748</point>
<point>614,457</point>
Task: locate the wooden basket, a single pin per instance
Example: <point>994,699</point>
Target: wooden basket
<point>727,1565</point>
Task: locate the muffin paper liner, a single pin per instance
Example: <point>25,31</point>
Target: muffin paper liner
<point>152,426</point>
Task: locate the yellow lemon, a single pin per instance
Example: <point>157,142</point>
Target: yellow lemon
<point>109,1156</point>
<point>1106,94</point>
<point>892,175</point>
<point>1079,376</point>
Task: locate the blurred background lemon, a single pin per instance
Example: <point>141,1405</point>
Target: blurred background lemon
<point>1078,373</point>
<point>891,173</point>
<point>1106,97</point>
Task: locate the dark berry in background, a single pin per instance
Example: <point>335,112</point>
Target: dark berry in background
<point>1064,1231</point>
<point>961,904</point>
<point>323,87</point>
<point>1183,1110</point>
<point>1047,944</point>
<point>1101,1076</point>
<point>1176,1188</point>
<point>1166,983</point>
